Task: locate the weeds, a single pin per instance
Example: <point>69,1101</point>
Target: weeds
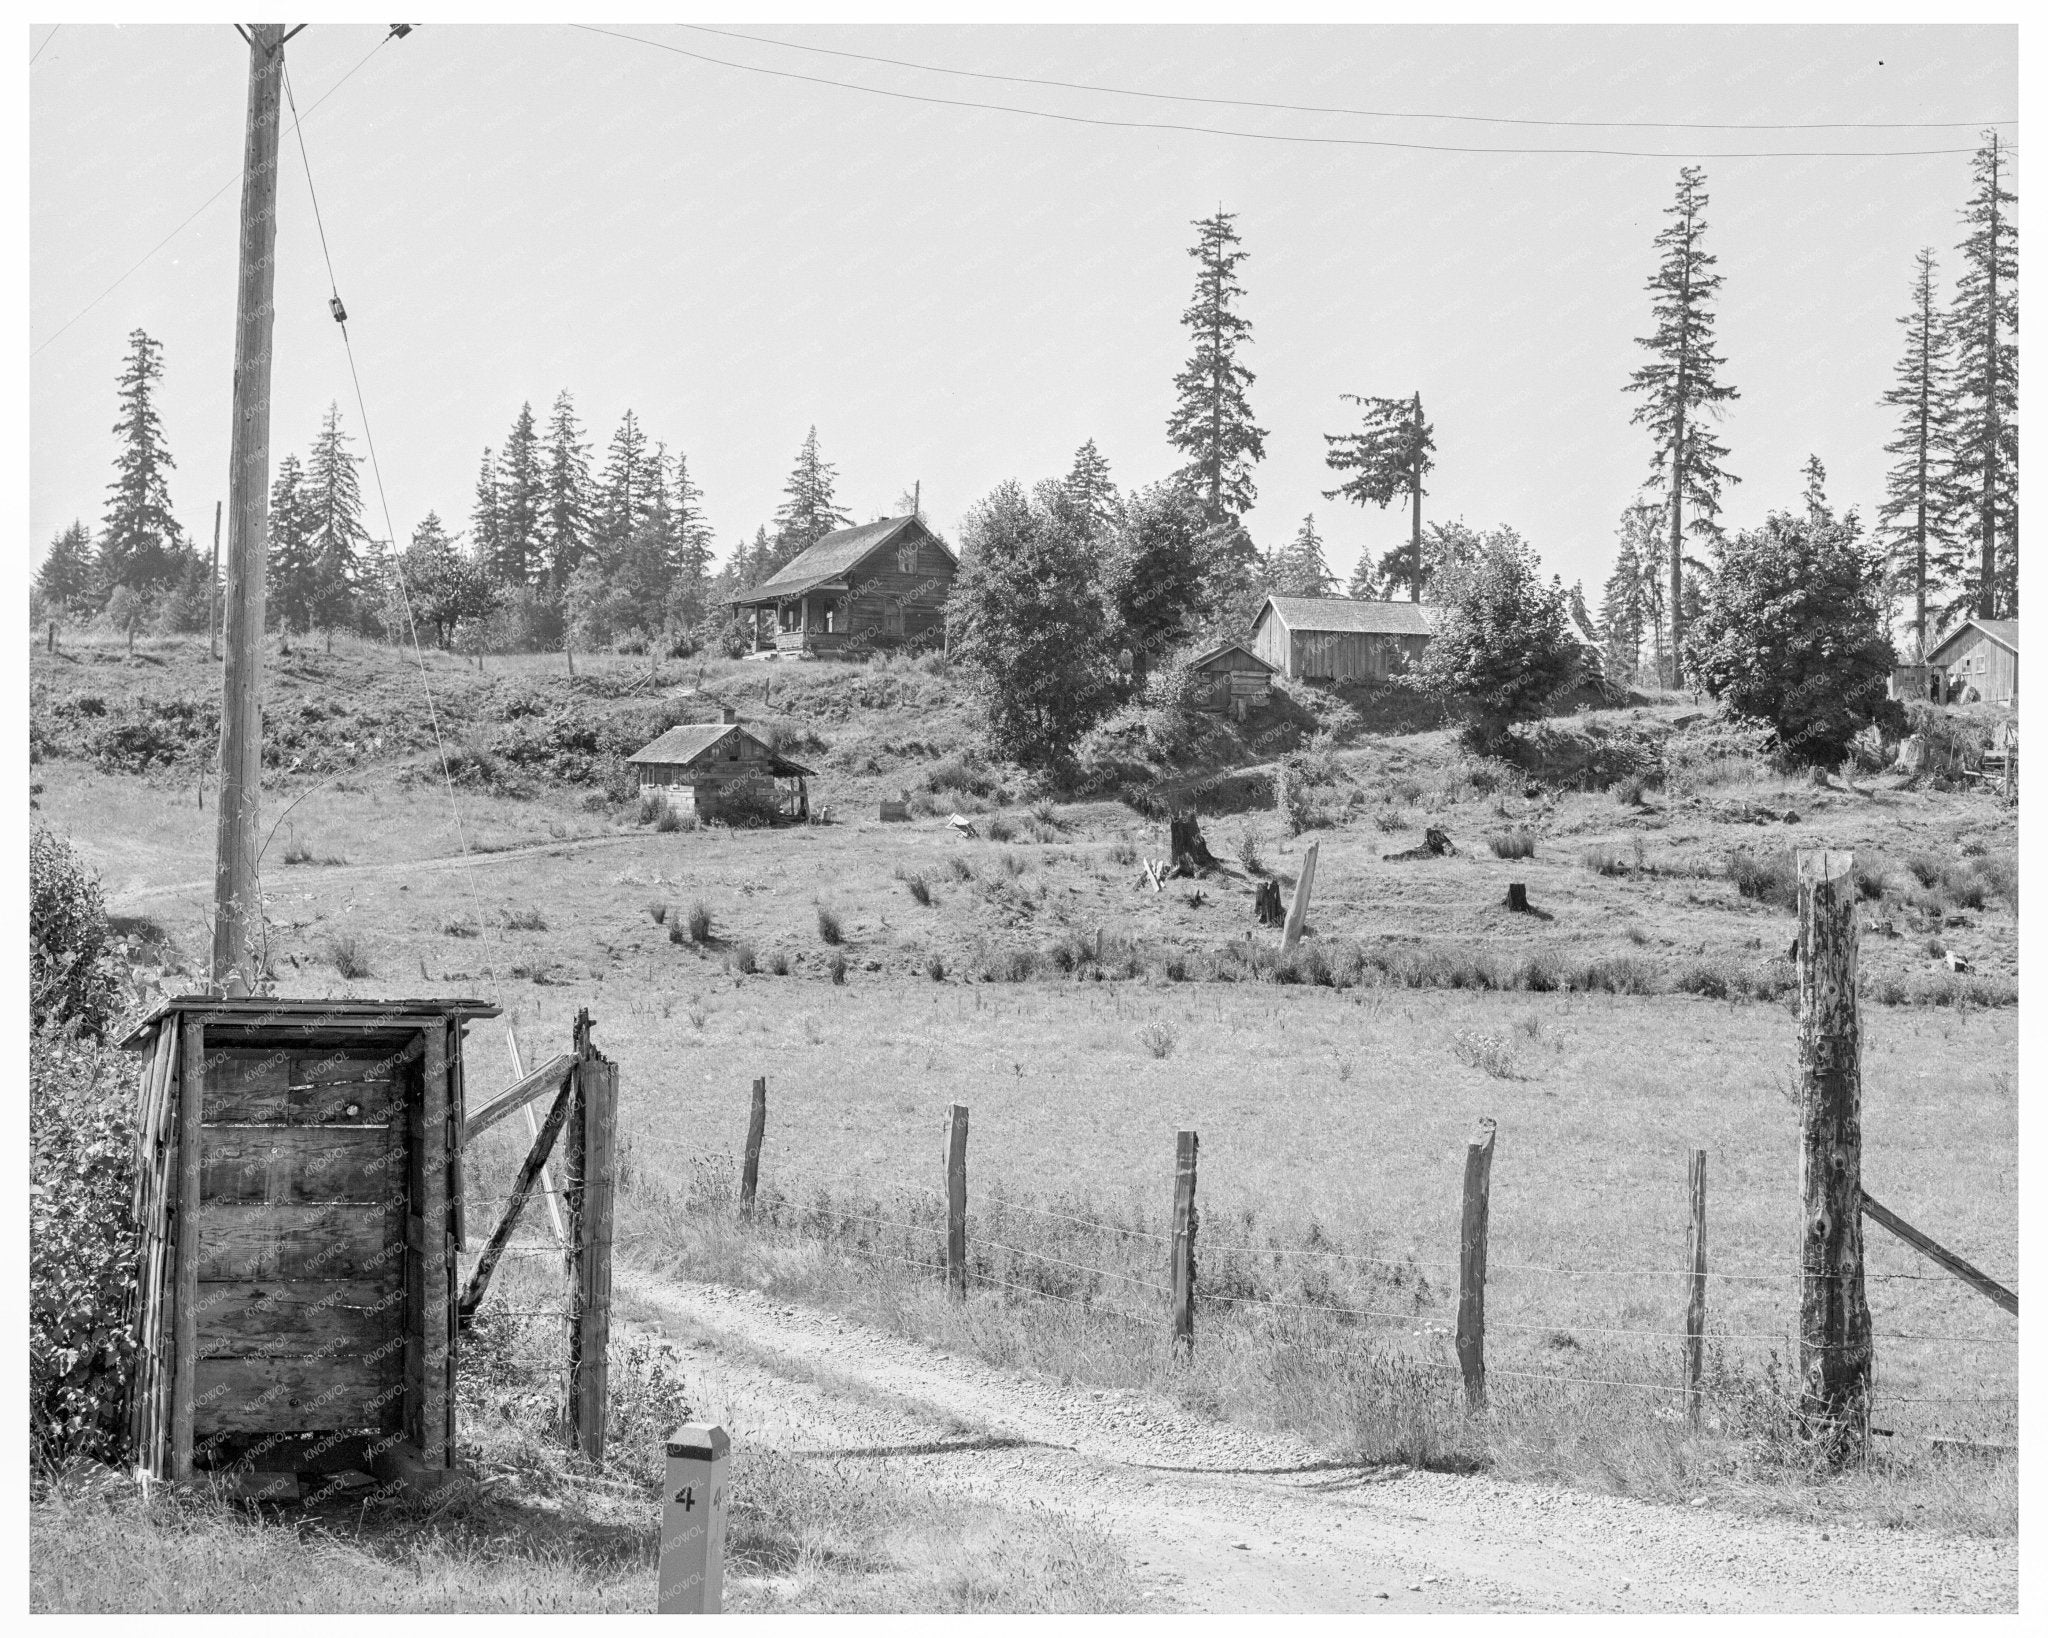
<point>700,923</point>
<point>345,952</point>
<point>935,967</point>
<point>778,964</point>
<point>1490,1053</point>
<point>836,967</point>
<point>1248,851</point>
<point>657,912</point>
<point>457,929</point>
<point>529,920</point>
<point>828,926</point>
<point>1158,1038</point>
<point>741,958</point>
<point>1519,843</point>
<point>920,889</point>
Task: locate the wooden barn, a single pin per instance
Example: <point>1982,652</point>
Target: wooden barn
<point>1339,639</point>
<point>1980,660</point>
<point>299,1196</point>
<point>1231,678</point>
<point>718,770</point>
<point>884,582</point>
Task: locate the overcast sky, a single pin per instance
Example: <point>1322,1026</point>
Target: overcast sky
<point>959,295</point>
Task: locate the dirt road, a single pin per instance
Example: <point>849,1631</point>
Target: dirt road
<point>1217,1518</point>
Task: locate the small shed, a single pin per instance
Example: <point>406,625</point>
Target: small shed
<point>1231,678</point>
<point>1980,660</point>
<point>299,1197</point>
<point>884,582</point>
<point>1341,639</point>
<point>719,770</point>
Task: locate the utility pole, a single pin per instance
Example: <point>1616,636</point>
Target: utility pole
<point>1415,518</point>
<point>213,592</point>
<point>238,908</point>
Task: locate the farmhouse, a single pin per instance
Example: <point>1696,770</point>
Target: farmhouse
<point>1338,639</point>
<point>884,582</point>
<point>1980,660</point>
<point>718,770</point>
<point>1231,678</point>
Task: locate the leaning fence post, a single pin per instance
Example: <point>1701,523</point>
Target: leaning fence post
<point>1834,1318</point>
<point>956,1200</point>
<point>1471,1338</point>
<point>1304,884</point>
<point>1696,1297</point>
<point>692,1574</point>
<point>757,1126</point>
<point>1187,1147</point>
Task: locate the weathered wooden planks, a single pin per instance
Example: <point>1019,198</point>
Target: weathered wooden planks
<point>292,1395</point>
<point>307,1318</point>
<point>263,1095</point>
<point>300,1165</point>
<point>189,1237</point>
<point>291,1242</point>
<point>537,1083</point>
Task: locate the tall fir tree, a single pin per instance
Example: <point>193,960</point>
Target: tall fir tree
<point>484,530</point>
<point>290,574</point>
<point>141,545</point>
<point>690,566</point>
<point>1300,568</point>
<point>1984,323</point>
<point>67,580</point>
<point>1389,456</point>
<point>1212,423</point>
<point>624,494</point>
<point>809,511</point>
<point>1681,387</point>
<point>565,494</point>
<point>1089,485</point>
<point>1915,521</point>
<point>521,550</point>
<point>336,538</point>
<point>1364,584</point>
<point>1631,623</point>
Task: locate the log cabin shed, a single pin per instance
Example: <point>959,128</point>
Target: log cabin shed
<point>885,582</point>
<point>1984,656</point>
<point>719,770</point>
<point>1231,677</point>
<point>1341,639</point>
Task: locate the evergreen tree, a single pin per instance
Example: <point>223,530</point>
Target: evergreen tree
<point>1364,584</point>
<point>1681,387</point>
<point>1299,569</point>
<point>521,550</point>
<point>66,582</point>
<point>565,494</point>
<point>291,578</point>
<point>1390,454</point>
<point>1632,603</point>
<point>1089,486</point>
<point>485,535</point>
<point>140,542</point>
<point>333,501</point>
<point>1211,423</point>
<point>808,511</point>
<point>623,495</point>
<point>1984,323</point>
<point>1914,521</point>
<point>690,567</point>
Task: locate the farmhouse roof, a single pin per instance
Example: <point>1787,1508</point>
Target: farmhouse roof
<point>1222,649</point>
<point>835,555</point>
<point>2005,633</point>
<point>1350,614</point>
<point>688,741</point>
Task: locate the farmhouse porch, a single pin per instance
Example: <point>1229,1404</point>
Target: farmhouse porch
<point>884,583</point>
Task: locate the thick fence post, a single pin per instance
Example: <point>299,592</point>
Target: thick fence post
<point>588,1182</point>
<point>757,1128</point>
<point>693,1501</point>
<point>1471,1337</point>
<point>1304,884</point>
<point>1696,1296</point>
<point>956,1200</point>
<point>1834,1318</point>
<point>1187,1146</point>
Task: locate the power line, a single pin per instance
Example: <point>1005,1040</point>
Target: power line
<point>45,46</point>
<point>1263,136</point>
<point>311,108</point>
<point>1363,113</point>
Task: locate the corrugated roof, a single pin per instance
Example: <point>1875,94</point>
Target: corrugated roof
<point>2006,633</point>
<point>687,741</point>
<point>1348,614</point>
<point>831,557</point>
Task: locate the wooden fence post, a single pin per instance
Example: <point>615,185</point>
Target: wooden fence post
<point>1471,1338</point>
<point>589,1183</point>
<point>1834,1318</point>
<point>1186,1149</point>
<point>1304,884</point>
<point>757,1127</point>
<point>956,1200</point>
<point>1696,1297</point>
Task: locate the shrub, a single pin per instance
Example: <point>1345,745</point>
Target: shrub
<point>1486,1052</point>
<point>1704,978</point>
<point>1519,843</point>
<point>73,979</point>
<point>1001,829</point>
<point>1628,791</point>
<point>935,967</point>
<point>657,912</point>
<point>920,889</point>
<point>1158,1038</point>
<point>700,923</point>
<point>743,959</point>
<point>778,964</point>
<point>676,934</point>
<point>837,966</point>
<point>669,821</point>
<point>1769,879</point>
<point>529,920</point>
<point>828,926</point>
<point>1537,973</point>
<point>1046,814</point>
<point>1248,852</point>
<point>959,867</point>
<point>345,951</point>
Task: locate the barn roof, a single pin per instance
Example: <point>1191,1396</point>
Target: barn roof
<point>1222,649</point>
<point>688,741</point>
<point>835,555</point>
<point>1350,614</point>
<point>2005,633</point>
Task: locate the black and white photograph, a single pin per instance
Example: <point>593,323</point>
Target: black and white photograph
<point>1200,814</point>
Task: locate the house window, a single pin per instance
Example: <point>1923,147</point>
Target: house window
<point>906,557</point>
<point>892,618</point>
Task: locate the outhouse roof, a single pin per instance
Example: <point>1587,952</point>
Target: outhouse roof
<point>292,1011</point>
<point>1221,649</point>
<point>689,741</point>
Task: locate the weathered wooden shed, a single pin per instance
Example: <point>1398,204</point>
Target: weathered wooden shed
<point>1340,639</point>
<point>1231,677</point>
<point>885,582</point>
<point>1981,657</point>
<point>299,1194</point>
<point>718,770</point>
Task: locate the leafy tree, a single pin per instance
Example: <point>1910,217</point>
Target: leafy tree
<point>290,574</point>
<point>565,494</point>
<point>1299,569</point>
<point>139,539</point>
<point>486,536</point>
<point>1027,623</point>
<point>444,589</point>
<point>1681,387</point>
<point>1984,322</point>
<point>1390,455</point>
<point>128,612</point>
<point>1914,521</point>
<point>1090,489</point>
<point>1152,571</point>
<point>1444,546</point>
<point>521,548</point>
<point>67,580</point>
<point>809,512</point>
<point>333,500</point>
<point>1364,584</point>
<point>1793,633</point>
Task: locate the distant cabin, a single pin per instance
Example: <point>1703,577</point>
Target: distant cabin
<point>718,770</point>
<point>1339,639</point>
<point>1980,660</point>
<point>1231,678</point>
<point>885,582</point>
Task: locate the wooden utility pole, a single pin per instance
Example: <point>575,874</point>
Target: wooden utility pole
<point>213,593</point>
<point>1415,500</point>
<point>1987,582</point>
<point>238,908</point>
<point>1834,1318</point>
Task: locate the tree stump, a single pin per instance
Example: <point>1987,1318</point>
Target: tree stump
<point>1185,845</point>
<point>1266,904</point>
<point>1518,896</point>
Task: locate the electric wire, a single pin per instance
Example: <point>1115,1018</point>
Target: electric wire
<point>45,46</point>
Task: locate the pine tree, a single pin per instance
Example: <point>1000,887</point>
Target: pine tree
<point>1815,495</point>
<point>623,495</point>
<point>140,542</point>
<point>1681,388</point>
<point>690,567</point>
<point>1299,569</point>
<point>66,581</point>
<point>1211,423</point>
<point>1632,602</point>
<point>808,512</point>
<point>1364,584</point>
<point>1088,484</point>
<point>290,575</point>
<point>1391,454</point>
<point>1914,521</point>
<point>334,520</point>
<point>1984,323</point>
<point>520,556</point>
<point>485,535</point>
<point>565,495</point>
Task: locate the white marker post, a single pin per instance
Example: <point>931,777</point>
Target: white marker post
<point>693,1521</point>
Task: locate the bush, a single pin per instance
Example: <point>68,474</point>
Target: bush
<point>700,923</point>
<point>657,912</point>
<point>743,958</point>
<point>935,967</point>
<point>348,956</point>
<point>828,926</point>
<point>529,920</point>
<point>73,980</point>
<point>1769,879</point>
<point>778,964</point>
<point>837,966</point>
<point>1158,1038</point>
<point>920,890</point>
<point>82,1248</point>
<point>1518,843</point>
